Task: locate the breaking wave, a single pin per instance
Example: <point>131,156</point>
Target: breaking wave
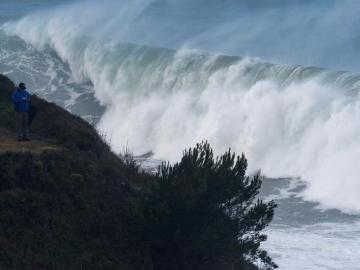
<point>289,120</point>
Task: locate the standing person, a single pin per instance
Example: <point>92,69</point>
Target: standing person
<point>21,100</point>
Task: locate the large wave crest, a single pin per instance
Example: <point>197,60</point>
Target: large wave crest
<point>288,120</point>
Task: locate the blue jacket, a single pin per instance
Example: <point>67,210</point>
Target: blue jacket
<point>21,100</point>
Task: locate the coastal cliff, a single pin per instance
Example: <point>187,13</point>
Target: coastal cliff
<point>68,202</point>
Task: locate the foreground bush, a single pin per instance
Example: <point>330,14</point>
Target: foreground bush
<point>204,214</point>
<point>66,211</point>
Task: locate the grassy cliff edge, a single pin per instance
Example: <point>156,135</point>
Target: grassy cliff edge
<point>67,207</point>
<point>68,202</point>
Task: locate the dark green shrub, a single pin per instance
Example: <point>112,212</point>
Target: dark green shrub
<point>205,214</point>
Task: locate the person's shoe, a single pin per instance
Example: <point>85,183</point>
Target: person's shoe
<point>26,139</point>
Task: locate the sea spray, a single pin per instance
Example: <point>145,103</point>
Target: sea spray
<point>288,120</point>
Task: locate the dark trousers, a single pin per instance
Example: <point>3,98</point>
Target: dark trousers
<point>22,124</point>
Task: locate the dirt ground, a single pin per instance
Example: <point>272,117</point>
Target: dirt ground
<point>9,143</point>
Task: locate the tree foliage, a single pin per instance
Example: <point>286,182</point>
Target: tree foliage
<point>207,213</point>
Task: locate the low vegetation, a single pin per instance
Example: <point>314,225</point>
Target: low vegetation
<point>82,207</point>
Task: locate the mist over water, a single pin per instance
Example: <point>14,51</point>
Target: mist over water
<point>261,77</point>
<point>311,33</point>
<point>288,120</point>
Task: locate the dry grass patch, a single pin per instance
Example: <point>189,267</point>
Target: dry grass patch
<point>36,147</point>
<point>8,143</point>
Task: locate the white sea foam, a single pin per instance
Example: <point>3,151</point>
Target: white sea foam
<point>289,121</point>
<point>321,246</point>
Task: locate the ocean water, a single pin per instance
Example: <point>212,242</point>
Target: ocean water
<point>276,80</point>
